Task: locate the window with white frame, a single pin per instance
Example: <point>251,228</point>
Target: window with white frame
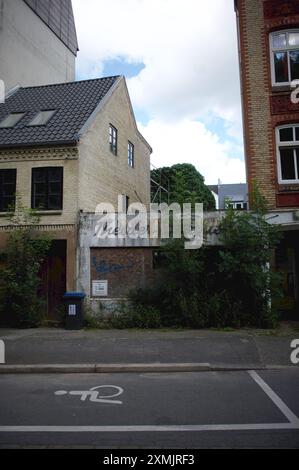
<point>130,154</point>
<point>284,47</point>
<point>113,139</point>
<point>287,138</point>
<point>238,205</point>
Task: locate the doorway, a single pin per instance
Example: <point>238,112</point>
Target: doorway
<point>53,280</point>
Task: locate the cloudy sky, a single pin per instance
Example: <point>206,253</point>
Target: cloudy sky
<point>180,59</point>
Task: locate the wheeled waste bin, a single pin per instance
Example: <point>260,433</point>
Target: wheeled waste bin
<point>74,310</point>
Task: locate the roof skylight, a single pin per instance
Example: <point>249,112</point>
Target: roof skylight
<point>11,120</point>
<point>42,118</point>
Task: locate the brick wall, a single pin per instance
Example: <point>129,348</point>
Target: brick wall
<point>124,268</point>
<point>24,160</point>
<point>265,108</point>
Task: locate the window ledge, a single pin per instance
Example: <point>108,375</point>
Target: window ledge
<point>5,214</point>
<point>288,187</point>
<point>44,212</point>
<point>281,88</point>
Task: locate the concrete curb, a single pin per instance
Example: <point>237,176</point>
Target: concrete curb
<point>121,368</point>
<point>140,368</point>
<point>100,368</point>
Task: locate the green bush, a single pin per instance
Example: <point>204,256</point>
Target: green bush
<point>19,278</point>
<point>93,322</point>
<point>226,287</point>
<point>248,241</point>
<point>136,316</point>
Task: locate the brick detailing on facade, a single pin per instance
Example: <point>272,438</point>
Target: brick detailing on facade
<point>280,8</point>
<point>265,107</point>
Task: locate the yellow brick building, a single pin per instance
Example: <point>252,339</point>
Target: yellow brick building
<point>64,149</point>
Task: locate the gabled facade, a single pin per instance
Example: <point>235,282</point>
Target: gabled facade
<point>38,42</point>
<point>56,152</point>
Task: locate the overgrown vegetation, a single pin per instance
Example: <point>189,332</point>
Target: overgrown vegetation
<point>22,305</point>
<point>229,286</point>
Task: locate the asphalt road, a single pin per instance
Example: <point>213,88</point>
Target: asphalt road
<point>177,410</point>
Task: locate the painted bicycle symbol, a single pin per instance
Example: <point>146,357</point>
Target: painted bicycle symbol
<point>94,394</point>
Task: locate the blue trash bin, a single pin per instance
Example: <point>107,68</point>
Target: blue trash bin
<point>74,310</point>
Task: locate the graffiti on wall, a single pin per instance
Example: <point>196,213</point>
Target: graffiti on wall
<point>104,266</point>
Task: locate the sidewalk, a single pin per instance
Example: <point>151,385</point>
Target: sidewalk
<point>96,350</point>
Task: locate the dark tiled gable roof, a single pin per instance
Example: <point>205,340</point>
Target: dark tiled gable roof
<point>74,103</point>
<point>58,16</point>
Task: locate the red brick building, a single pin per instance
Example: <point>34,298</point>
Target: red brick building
<point>268,33</point>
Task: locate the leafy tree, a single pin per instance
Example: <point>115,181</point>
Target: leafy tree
<point>19,278</point>
<point>186,185</point>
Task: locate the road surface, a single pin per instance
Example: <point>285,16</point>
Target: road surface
<point>247,409</point>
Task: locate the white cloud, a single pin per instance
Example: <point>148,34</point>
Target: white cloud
<point>189,49</point>
<point>190,142</point>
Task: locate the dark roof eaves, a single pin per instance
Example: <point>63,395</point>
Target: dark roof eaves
<point>65,83</point>
<point>58,143</point>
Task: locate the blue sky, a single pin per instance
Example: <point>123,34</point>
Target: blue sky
<point>180,60</point>
<point>119,66</point>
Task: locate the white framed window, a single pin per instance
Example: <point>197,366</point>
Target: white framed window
<point>131,156</point>
<point>287,140</point>
<point>284,49</point>
<point>113,139</point>
<point>238,205</point>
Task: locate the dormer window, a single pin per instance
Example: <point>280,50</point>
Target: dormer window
<point>284,47</point>
<point>42,118</point>
<point>11,120</point>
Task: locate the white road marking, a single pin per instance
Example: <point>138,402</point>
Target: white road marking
<point>172,428</point>
<point>94,395</point>
<point>275,398</point>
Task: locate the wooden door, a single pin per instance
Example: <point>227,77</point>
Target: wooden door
<point>53,275</point>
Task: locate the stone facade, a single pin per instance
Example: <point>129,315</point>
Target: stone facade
<point>265,107</point>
